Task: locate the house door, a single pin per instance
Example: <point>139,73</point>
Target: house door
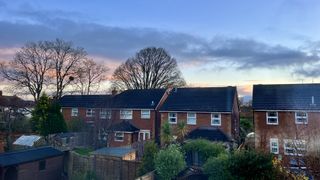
<point>144,135</point>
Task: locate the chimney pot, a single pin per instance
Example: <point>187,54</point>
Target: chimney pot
<point>114,92</point>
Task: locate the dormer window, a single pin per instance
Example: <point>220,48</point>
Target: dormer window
<point>272,118</point>
<point>301,118</point>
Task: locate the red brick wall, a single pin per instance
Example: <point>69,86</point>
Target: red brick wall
<point>53,171</point>
<point>203,120</point>
<point>286,129</point>
<point>129,138</point>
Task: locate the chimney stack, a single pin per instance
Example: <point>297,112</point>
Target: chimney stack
<point>0,93</point>
<point>114,92</point>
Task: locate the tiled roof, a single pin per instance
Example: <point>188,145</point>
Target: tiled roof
<point>14,101</point>
<point>286,97</point>
<point>210,99</point>
<point>209,133</point>
<point>123,126</point>
<point>89,101</point>
<point>25,156</point>
<point>138,98</point>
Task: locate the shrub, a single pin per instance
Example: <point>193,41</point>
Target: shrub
<point>150,151</point>
<point>206,148</point>
<point>251,165</point>
<point>169,162</point>
<point>217,167</point>
<point>76,125</point>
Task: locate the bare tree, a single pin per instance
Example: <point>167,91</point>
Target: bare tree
<point>28,70</point>
<point>149,68</point>
<point>89,76</point>
<point>66,60</point>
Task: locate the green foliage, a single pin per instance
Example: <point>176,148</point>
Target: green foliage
<point>150,151</point>
<point>83,151</point>
<point>76,125</point>
<point>47,118</point>
<point>251,165</point>
<point>182,131</point>
<point>166,134</point>
<point>88,175</point>
<point>169,162</point>
<point>217,167</point>
<point>246,126</point>
<point>205,148</point>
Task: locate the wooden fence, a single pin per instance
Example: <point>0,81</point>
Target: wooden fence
<point>104,167</point>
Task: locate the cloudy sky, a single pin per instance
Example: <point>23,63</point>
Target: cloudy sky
<point>216,43</point>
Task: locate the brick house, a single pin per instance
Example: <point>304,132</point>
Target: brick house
<point>94,110</point>
<point>119,119</point>
<point>287,119</point>
<point>211,113</point>
<point>135,116</point>
<point>40,163</point>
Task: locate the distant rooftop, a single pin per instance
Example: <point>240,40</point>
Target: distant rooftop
<point>286,97</point>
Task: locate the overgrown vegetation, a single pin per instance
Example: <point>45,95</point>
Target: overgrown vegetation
<point>246,126</point>
<point>47,118</point>
<point>166,134</point>
<point>205,148</point>
<point>76,125</point>
<point>88,175</point>
<point>83,151</point>
<point>169,162</point>
<point>150,152</point>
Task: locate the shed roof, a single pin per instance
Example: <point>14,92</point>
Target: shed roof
<point>209,99</point>
<point>27,140</point>
<point>286,97</point>
<point>114,151</point>
<point>29,155</point>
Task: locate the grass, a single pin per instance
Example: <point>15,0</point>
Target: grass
<point>83,151</point>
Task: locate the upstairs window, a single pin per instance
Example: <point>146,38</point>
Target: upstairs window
<point>172,118</point>
<point>109,114</point>
<point>125,114</point>
<point>119,136</point>
<point>103,113</point>
<point>301,118</point>
<point>216,119</point>
<point>272,118</point>
<point>145,114</point>
<point>294,147</point>
<point>274,146</point>
<point>90,112</point>
<point>74,112</point>
<point>192,118</point>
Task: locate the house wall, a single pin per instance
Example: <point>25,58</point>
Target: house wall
<point>128,139</point>
<point>203,120</point>
<point>286,129</point>
<point>53,171</point>
<point>235,118</point>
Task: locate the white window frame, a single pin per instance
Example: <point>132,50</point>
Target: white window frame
<point>295,147</point>
<point>146,133</point>
<point>171,118</point>
<point>121,136</point>
<point>301,117</point>
<point>109,113</point>
<point>125,114</point>
<point>272,117</point>
<point>74,112</point>
<point>145,114</point>
<point>274,144</point>
<point>90,112</point>
<point>191,120</point>
<point>213,119</point>
<point>103,113</point>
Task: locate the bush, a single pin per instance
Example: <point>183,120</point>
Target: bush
<point>217,167</point>
<point>251,165</point>
<point>169,162</point>
<point>76,125</point>
<point>150,151</point>
<point>205,148</point>
<point>88,175</point>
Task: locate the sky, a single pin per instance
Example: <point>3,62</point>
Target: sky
<point>216,43</point>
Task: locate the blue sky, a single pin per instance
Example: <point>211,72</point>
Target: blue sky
<point>216,43</point>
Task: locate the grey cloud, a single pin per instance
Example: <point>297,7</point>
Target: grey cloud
<point>121,43</point>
